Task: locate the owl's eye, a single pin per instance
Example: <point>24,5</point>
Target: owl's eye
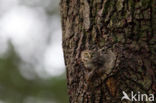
<point>85,55</point>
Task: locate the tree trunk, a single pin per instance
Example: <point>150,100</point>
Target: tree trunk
<point>109,47</point>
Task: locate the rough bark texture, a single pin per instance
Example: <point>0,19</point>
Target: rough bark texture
<point>109,47</point>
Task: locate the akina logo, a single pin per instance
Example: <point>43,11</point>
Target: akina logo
<point>137,96</point>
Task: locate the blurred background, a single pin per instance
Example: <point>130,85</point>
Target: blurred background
<point>32,67</point>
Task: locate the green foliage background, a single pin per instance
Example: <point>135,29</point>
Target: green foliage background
<point>14,88</point>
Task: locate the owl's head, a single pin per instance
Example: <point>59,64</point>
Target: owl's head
<point>86,57</point>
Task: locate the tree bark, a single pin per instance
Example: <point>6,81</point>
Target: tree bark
<point>109,47</point>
